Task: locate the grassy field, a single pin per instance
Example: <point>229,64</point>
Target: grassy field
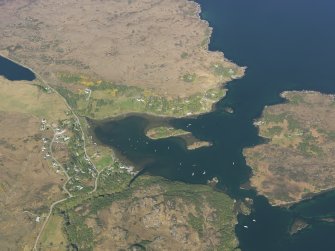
<point>26,98</point>
<point>99,99</point>
<point>165,132</point>
<point>54,238</point>
<point>27,180</point>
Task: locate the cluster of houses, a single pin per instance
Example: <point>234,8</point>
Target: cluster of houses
<point>129,169</point>
<point>45,148</point>
<point>75,187</point>
<point>61,137</point>
<point>88,92</point>
<point>258,123</point>
<point>44,125</point>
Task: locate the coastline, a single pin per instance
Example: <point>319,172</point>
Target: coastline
<point>301,129</point>
<point>40,79</point>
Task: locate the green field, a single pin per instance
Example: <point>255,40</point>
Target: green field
<point>165,132</point>
<point>104,99</point>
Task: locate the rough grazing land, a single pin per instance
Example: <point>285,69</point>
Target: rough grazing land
<point>28,185</point>
<point>298,159</point>
<point>155,44</point>
<point>105,58</point>
<point>153,215</point>
<point>100,99</point>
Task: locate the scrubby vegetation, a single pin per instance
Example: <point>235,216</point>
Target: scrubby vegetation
<point>99,99</point>
<point>297,160</point>
<point>165,132</point>
<point>188,77</point>
<point>206,210</point>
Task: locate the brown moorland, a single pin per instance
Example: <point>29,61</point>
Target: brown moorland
<point>298,159</point>
<point>152,44</point>
<point>158,46</point>
<point>28,186</point>
<point>154,214</point>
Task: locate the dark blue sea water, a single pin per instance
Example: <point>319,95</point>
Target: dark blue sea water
<point>13,71</point>
<point>286,45</point>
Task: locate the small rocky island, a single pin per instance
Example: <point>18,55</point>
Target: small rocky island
<point>198,144</point>
<point>229,109</point>
<point>297,161</point>
<point>298,225</point>
<point>163,132</point>
<point>106,59</point>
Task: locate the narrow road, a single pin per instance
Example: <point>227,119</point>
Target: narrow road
<point>97,180</point>
<point>59,164</point>
<point>46,221</point>
<point>53,158</point>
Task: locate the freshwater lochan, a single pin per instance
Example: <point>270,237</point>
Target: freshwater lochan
<point>12,71</point>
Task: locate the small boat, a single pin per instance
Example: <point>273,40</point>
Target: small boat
<point>254,220</point>
<point>204,173</point>
<point>245,226</point>
<point>193,174</point>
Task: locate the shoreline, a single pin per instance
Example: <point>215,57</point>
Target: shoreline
<point>22,65</point>
<point>294,103</point>
<point>218,86</point>
<point>124,115</point>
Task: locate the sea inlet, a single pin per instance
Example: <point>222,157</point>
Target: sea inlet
<point>286,45</point>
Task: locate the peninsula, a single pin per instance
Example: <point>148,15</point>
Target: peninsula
<point>297,160</point>
<point>115,57</point>
<point>102,59</point>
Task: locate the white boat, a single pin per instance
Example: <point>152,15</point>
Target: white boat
<point>193,174</point>
<point>245,226</point>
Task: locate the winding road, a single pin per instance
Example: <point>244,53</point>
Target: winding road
<point>55,160</point>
